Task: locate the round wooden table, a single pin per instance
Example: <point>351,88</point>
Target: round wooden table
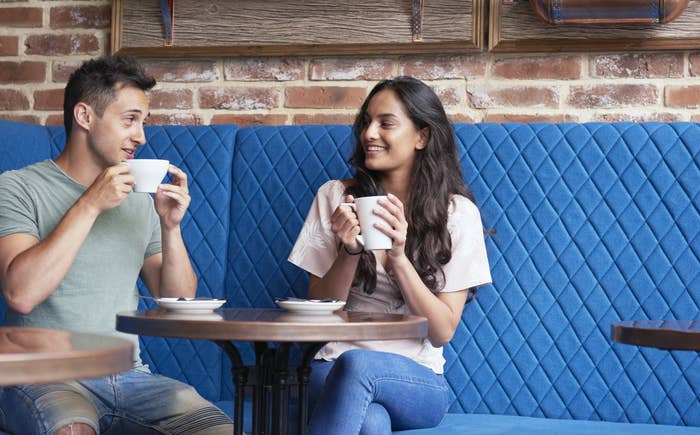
<point>662,334</point>
<point>38,356</point>
<point>263,326</point>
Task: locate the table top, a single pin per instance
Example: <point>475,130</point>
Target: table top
<point>271,324</point>
<point>37,355</point>
<point>663,334</point>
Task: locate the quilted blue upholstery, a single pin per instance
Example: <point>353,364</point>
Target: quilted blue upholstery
<point>205,154</point>
<point>594,223</point>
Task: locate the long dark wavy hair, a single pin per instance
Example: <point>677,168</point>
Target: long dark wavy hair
<point>436,176</point>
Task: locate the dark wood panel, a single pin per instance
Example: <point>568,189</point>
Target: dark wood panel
<point>515,27</point>
<point>253,27</point>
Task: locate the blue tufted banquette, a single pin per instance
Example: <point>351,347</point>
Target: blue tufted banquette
<point>594,223</point>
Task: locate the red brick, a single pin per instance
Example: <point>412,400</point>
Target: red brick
<point>694,61</point>
<point>48,99</point>
<point>557,68</point>
<point>238,98</point>
<point>539,117</point>
<point>612,95</point>
<point>637,117</point>
<point>343,119</point>
<point>687,97</point>
<point>21,17</point>
<point>449,95</point>
<point>346,68</point>
<point>174,119</point>
<point>62,69</point>
<point>443,67</point>
<point>11,99</point>
<point>636,65</point>
<point>22,72</point>
<point>52,45</point>
<point>258,69</point>
<point>80,17</point>
<point>183,71</point>
<point>9,45</point>
<point>487,97</point>
<point>461,118</point>
<point>325,97</point>
<point>252,119</point>
<point>171,99</point>
<point>55,119</point>
<point>27,119</point>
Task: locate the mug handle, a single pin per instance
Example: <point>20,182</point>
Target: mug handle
<point>358,237</point>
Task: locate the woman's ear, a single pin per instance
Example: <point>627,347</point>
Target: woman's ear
<point>423,137</point>
<point>82,115</point>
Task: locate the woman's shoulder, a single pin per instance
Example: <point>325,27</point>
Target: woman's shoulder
<point>331,190</point>
<point>461,205</point>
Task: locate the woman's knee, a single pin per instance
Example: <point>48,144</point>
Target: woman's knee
<point>377,421</point>
<point>353,362</point>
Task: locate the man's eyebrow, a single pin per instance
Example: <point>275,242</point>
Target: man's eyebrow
<point>133,111</point>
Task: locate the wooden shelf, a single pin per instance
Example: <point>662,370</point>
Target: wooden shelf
<point>297,27</point>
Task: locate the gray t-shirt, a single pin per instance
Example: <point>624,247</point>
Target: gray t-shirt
<point>102,280</point>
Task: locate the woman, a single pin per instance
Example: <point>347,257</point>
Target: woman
<point>405,148</point>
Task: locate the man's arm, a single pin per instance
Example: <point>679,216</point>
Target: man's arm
<point>30,270</point>
<point>170,273</point>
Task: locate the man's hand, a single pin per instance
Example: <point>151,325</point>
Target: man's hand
<point>110,188</point>
<point>173,199</point>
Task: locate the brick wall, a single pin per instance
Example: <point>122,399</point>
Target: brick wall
<point>42,41</point>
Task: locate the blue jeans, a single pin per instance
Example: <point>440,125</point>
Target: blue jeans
<point>133,402</point>
<point>372,393</point>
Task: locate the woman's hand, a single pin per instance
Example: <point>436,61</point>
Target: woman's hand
<point>346,226</point>
<point>392,212</point>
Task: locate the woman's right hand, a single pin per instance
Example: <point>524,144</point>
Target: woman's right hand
<point>346,226</point>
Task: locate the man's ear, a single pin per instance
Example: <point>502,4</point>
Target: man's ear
<point>82,115</point>
<point>424,135</point>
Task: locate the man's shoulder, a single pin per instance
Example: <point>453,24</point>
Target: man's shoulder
<point>29,171</point>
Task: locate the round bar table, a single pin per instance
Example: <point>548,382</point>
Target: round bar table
<point>662,334</point>
<point>39,356</point>
<point>271,376</point>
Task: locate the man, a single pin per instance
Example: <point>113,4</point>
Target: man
<point>74,239</point>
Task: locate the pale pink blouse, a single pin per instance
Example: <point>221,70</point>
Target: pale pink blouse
<point>316,249</point>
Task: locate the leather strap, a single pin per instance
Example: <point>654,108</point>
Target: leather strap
<point>417,20</point>
<point>167,11</point>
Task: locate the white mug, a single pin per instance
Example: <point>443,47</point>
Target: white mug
<point>370,237</point>
<point>148,173</point>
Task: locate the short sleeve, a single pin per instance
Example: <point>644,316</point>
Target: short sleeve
<point>154,244</point>
<point>17,210</point>
<point>469,265</point>
<point>316,247</point>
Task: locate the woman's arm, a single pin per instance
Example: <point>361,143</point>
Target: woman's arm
<point>443,310</point>
<point>336,282</point>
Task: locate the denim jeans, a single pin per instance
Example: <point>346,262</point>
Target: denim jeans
<point>372,393</point>
<point>133,402</point>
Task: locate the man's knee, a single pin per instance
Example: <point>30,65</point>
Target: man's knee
<point>76,429</point>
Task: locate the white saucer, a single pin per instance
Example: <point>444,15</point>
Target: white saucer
<point>310,306</point>
<point>190,306</point>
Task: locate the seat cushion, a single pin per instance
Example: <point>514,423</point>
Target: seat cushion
<point>489,424</point>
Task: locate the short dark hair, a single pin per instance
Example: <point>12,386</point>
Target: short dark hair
<point>96,82</point>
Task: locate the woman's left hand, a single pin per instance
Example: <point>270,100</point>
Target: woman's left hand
<point>392,212</point>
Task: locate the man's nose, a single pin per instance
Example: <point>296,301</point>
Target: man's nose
<point>140,136</point>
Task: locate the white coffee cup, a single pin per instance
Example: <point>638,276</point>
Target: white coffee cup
<point>148,173</point>
<point>370,237</point>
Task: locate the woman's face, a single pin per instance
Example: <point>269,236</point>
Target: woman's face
<point>390,139</point>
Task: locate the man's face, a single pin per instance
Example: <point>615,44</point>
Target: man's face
<point>115,135</point>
